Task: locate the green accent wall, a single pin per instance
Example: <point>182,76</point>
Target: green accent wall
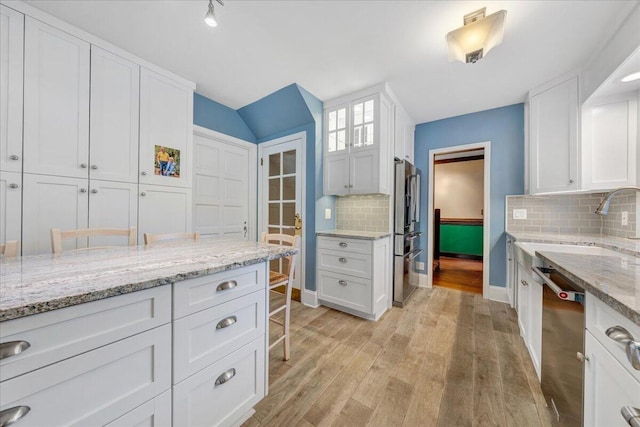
<point>461,239</point>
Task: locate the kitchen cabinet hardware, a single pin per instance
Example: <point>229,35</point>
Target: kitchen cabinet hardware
<point>229,284</point>
<point>94,191</point>
<point>143,194</point>
<point>83,190</point>
<point>571,181</point>
<point>143,173</point>
<point>245,229</point>
<point>524,282</point>
<point>12,348</point>
<point>619,334</point>
<point>631,415</point>
<point>346,186</point>
<point>581,357</point>
<point>13,185</point>
<point>14,157</point>
<point>343,244</point>
<point>342,282</point>
<point>342,260</point>
<point>226,322</point>
<point>11,415</point>
<point>83,165</point>
<point>633,354</point>
<point>94,167</point>
<point>226,376</point>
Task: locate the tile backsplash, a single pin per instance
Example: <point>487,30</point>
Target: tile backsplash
<point>363,213</point>
<point>572,213</point>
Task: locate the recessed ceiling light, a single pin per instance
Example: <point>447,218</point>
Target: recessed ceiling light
<point>631,77</point>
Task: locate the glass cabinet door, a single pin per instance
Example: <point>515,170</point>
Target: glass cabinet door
<point>363,113</point>
<point>337,130</point>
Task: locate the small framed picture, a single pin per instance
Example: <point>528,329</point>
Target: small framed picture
<point>167,161</point>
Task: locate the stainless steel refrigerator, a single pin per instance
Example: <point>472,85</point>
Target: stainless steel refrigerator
<point>406,235</point>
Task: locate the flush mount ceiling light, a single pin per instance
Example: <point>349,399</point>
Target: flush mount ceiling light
<point>210,17</point>
<point>477,37</point>
<point>631,77</point>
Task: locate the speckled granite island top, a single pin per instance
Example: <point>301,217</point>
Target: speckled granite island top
<point>36,284</point>
<point>352,234</point>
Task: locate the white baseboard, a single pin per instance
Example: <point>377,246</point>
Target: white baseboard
<point>498,293</point>
<point>309,298</point>
<point>422,280</point>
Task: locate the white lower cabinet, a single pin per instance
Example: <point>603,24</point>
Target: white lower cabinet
<point>154,413</point>
<point>164,210</point>
<point>608,387</point>
<point>529,299</point>
<point>353,275</point>
<point>221,393</point>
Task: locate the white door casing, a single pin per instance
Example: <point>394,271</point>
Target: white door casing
<point>224,187</point>
<point>283,167</point>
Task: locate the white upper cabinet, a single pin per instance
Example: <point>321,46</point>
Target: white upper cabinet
<point>56,101</point>
<point>553,139</point>
<point>115,109</point>
<point>11,75</point>
<point>10,205</point>
<point>166,120</point>
<point>358,135</point>
<point>112,205</point>
<point>405,135</point>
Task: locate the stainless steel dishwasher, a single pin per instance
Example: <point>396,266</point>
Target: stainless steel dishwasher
<point>562,369</point>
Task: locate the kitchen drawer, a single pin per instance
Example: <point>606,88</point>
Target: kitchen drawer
<point>600,317</point>
<point>344,290</point>
<point>198,401</point>
<point>95,387</point>
<point>344,245</point>
<point>63,333</point>
<point>353,264</point>
<point>199,341</point>
<point>154,413</point>
<point>198,294</point>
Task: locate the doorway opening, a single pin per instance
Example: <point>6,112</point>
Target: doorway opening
<point>459,218</point>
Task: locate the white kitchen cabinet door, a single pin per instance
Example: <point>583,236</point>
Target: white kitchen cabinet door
<point>56,102</point>
<point>166,120</point>
<point>115,109</point>
<point>336,175</point>
<point>609,143</point>
<point>523,303</point>
<point>154,413</point>
<point>52,202</point>
<point>608,387</point>
<point>112,205</point>
<point>10,206</point>
<point>11,84</point>
<point>404,136</point>
<point>535,323</point>
<point>364,172</point>
<point>554,137</point>
<point>163,210</point>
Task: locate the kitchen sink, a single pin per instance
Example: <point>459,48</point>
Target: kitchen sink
<point>530,248</point>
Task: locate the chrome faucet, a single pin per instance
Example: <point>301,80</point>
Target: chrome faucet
<point>603,207</point>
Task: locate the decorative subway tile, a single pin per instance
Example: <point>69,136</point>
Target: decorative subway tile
<point>363,213</point>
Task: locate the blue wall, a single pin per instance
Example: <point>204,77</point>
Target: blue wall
<point>504,128</point>
<point>215,116</point>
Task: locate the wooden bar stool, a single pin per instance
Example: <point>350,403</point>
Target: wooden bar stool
<point>277,279</point>
<point>9,249</point>
<point>168,237</point>
<point>57,236</point>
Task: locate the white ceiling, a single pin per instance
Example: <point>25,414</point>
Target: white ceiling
<point>332,48</point>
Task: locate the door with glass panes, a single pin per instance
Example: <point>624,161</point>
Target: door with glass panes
<point>281,195</point>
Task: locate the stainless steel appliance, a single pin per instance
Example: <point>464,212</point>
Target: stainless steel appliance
<point>406,234</point>
<point>562,347</point>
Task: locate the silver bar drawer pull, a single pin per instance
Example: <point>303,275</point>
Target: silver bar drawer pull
<point>229,284</point>
<point>631,415</point>
<point>619,334</point>
<point>342,260</point>
<point>11,415</point>
<point>226,376</point>
<point>226,322</point>
<point>342,282</point>
<point>12,348</point>
<point>343,244</point>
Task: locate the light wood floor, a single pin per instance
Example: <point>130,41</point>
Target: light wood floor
<point>461,274</point>
<point>449,358</point>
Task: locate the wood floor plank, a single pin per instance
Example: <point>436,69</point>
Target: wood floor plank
<point>519,413</point>
<point>488,401</point>
<point>354,414</point>
<point>514,377</point>
<point>393,405</point>
<point>424,405</point>
<point>484,343</point>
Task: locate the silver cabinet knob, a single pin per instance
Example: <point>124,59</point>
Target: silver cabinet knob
<point>346,186</point>
<point>143,173</point>
<point>581,357</point>
<point>143,194</point>
<point>226,322</point>
<point>350,186</point>
<point>631,415</point>
<point>12,348</point>
<point>83,190</point>
<point>229,284</point>
<point>342,282</point>
<point>94,167</point>
<point>570,181</point>
<point>633,354</point>
<point>14,157</point>
<point>524,283</point>
<point>226,376</point>
<point>83,165</point>
<point>343,244</point>
<point>94,191</point>
<point>342,260</point>
<point>13,185</point>
<point>619,334</point>
<point>11,415</point>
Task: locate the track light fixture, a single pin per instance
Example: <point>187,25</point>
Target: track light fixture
<point>210,17</point>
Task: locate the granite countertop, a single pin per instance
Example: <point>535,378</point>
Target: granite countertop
<point>36,284</point>
<point>353,234</point>
<point>614,279</point>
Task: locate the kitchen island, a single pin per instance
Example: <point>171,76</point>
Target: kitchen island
<point>168,334</point>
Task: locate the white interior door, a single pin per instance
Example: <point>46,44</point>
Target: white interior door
<point>281,194</point>
<point>224,187</point>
